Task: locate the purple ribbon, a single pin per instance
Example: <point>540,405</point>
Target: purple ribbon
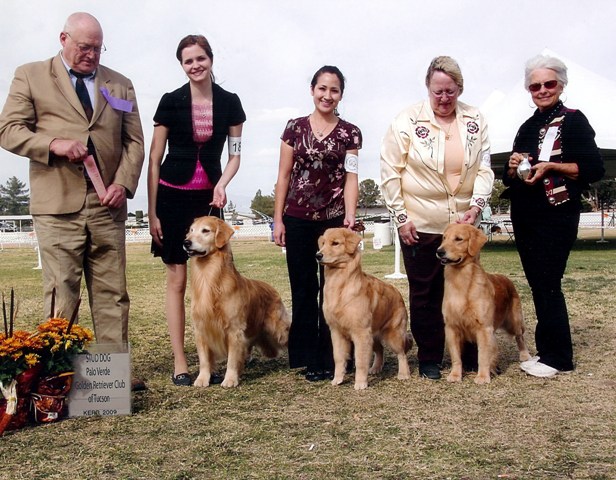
<point>117,103</point>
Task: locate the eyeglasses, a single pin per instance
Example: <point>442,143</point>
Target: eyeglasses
<point>84,48</point>
<point>550,84</point>
<point>447,93</point>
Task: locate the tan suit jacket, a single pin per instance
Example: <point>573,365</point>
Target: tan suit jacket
<point>42,105</point>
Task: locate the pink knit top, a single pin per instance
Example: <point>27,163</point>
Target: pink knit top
<point>203,127</point>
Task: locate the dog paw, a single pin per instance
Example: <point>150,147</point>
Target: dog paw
<point>375,370</point>
<point>404,376</point>
<point>482,379</point>
<point>230,382</point>
<point>337,380</point>
<point>454,377</point>
<point>361,385</point>
<point>524,356</point>
<point>200,382</point>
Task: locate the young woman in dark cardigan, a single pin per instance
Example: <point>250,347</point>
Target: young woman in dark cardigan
<point>194,123</point>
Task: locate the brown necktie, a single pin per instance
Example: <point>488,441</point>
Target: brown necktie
<point>82,92</point>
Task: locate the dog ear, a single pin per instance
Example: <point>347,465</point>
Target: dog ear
<point>351,241</point>
<point>476,241</point>
<point>223,233</point>
<point>321,241</point>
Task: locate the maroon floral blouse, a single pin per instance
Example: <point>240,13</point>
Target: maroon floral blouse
<point>318,174</point>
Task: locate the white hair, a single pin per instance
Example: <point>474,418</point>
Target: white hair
<point>545,61</point>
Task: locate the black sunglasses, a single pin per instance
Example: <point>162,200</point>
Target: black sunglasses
<point>550,84</point>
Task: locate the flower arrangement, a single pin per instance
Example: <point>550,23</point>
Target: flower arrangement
<point>18,352</point>
<point>60,342</point>
<point>42,360</point>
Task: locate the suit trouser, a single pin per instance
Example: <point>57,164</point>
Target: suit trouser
<point>91,244</point>
<point>544,242</point>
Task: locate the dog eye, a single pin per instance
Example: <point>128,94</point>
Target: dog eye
<point>204,230</point>
<point>459,239</point>
<point>335,244</point>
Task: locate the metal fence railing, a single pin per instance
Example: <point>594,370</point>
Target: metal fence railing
<point>142,235</point>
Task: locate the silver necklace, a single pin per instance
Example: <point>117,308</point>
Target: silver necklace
<point>320,131</point>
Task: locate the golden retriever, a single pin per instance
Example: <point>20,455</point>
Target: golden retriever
<point>476,303</point>
<point>360,308</point>
<point>230,313</point>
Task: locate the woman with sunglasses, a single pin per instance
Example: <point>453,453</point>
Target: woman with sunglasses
<point>435,170</point>
<point>554,159</point>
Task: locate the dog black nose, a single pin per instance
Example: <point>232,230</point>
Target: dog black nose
<point>440,252</point>
<point>319,256</point>
<point>187,243</point>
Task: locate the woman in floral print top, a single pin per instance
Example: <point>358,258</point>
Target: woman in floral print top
<point>317,189</point>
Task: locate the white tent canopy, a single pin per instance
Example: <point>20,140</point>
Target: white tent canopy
<point>593,94</point>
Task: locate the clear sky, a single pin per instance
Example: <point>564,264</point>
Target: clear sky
<point>266,51</point>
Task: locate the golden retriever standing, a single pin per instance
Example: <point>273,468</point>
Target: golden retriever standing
<point>476,303</point>
<point>230,313</point>
<point>360,308</point>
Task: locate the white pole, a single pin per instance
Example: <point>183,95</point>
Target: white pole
<point>39,266</point>
<point>602,240</point>
<point>397,274</point>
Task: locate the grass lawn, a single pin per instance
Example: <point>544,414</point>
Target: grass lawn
<point>276,425</point>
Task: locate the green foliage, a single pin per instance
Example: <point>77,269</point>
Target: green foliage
<point>369,194</point>
<point>230,207</point>
<point>14,197</point>
<point>263,204</point>
<point>606,193</point>
<point>497,204</point>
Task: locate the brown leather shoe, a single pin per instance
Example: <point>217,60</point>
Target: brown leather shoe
<point>137,385</point>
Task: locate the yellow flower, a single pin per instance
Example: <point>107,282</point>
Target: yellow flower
<point>32,359</point>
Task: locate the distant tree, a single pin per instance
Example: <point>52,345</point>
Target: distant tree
<point>263,203</point>
<point>498,204</point>
<point>230,207</point>
<point>369,194</point>
<point>605,194</point>
<point>14,197</point>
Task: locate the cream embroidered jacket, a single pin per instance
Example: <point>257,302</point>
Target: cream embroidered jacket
<point>413,178</point>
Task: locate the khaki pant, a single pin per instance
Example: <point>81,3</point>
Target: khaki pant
<point>91,244</point>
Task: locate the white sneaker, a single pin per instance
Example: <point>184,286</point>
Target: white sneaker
<point>542,370</point>
<point>528,363</point>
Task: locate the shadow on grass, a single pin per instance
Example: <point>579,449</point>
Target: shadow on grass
<point>585,244</point>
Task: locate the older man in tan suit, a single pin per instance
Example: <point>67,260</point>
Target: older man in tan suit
<point>48,119</point>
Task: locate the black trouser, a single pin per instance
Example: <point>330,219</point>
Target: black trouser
<point>426,289</point>
<point>310,342</point>
<point>544,241</point>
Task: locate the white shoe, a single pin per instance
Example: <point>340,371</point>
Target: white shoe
<point>542,370</point>
<point>528,363</point>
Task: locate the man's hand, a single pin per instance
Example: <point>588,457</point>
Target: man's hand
<point>74,150</point>
<point>116,196</point>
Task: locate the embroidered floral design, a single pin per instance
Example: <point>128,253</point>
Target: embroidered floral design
<point>429,145</point>
<point>472,127</point>
<point>422,132</point>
